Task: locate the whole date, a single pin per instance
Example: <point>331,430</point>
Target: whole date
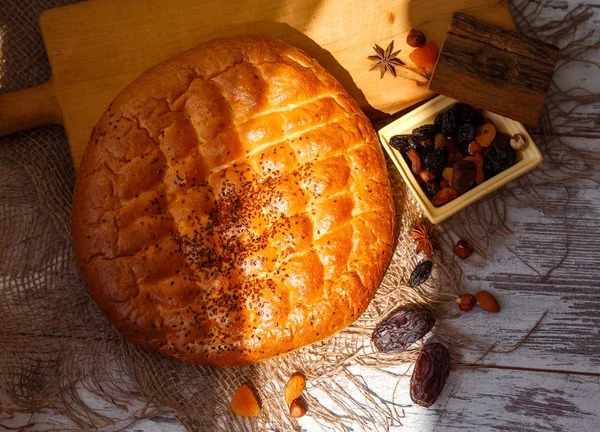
<point>401,329</point>
<point>430,374</point>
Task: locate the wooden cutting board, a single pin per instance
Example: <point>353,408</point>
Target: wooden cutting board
<point>97,47</point>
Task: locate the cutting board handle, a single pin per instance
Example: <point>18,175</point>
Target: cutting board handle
<point>29,108</point>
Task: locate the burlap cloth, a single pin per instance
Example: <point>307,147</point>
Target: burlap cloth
<point>55,345</point>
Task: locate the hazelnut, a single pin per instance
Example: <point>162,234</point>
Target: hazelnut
<point>474,148</point>
<point>415,161</point>
<point>463,249</point>
<point>518,142</point>
<point>426,176</point>
<point>465,302</point>
<point>415,38</point>
<point>297,408</point>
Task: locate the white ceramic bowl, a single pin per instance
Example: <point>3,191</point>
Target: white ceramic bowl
<point>425,114</point>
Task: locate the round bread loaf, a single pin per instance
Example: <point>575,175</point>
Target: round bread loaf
<point>233,205</point>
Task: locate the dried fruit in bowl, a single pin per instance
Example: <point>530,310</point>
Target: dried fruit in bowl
<point>403,143</point>
<point>426,176</point>
<point>431,189</point>
<point>435,161</point>
<point>425,132</point>
<point>444,196</point>
<point>460,150</point>
<point>499,156</point>
<point>485,134</point>
<point>463,175</point>
<point>480,176</point>
<point>518,142</point>
<point>415,161</point>
<point>441,141</point>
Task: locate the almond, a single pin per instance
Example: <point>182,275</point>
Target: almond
<point>426,176</point>
<point>294,388</point>
<point>487,302</point>
<point>465,302</point>
<point>415,161</point>
<point>444,196</point>
<point>297,408</point>
<point>244,402</point>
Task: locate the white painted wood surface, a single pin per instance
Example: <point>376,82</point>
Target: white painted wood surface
<point>552,383</point>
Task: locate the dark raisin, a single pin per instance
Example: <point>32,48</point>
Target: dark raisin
<point>432,188</point>
<point>499,156</point>
<point>429,374</point>
<point>465,135</point>
<point>435,161</point>
<point>401,329</point>
<point>465,113</point>
<point>403,143</point>
<point>425,132</point>
<point>420,274</point>
<point>463,175</point>
<point>447,125</point>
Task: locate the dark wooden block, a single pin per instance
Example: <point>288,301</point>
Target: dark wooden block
<point>495,69</point>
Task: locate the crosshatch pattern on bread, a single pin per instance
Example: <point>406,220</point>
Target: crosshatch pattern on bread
<point>233,205</point>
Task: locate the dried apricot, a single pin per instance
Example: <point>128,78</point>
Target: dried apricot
<point>426,56</point>
<point>244,402</point>
<point>447,174</point>
<point>444,196</point>
<point>485,134</point>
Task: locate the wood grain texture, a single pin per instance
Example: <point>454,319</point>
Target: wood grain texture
<point>29,108</point>
<point>96,48</point>
<point>494,69</point>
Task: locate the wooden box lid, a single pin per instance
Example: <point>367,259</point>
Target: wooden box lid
<point>494,69</point>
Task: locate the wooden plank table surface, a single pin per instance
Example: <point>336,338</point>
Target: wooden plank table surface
<point>552,383</point>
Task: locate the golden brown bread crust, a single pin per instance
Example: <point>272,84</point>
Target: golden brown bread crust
<point>233,205</point>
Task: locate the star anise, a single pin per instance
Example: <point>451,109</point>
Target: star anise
<point>421,233</point>
<point>385,61</point>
